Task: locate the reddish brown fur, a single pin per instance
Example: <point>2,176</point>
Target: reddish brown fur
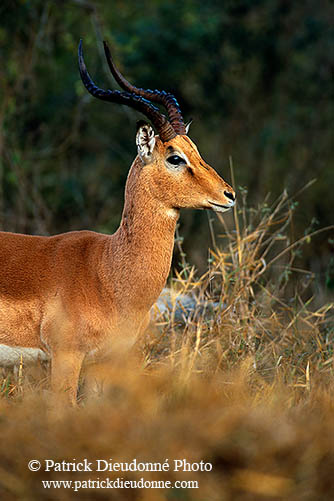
<point>72,293</point>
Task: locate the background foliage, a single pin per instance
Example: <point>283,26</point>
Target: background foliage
<point>255,76</point>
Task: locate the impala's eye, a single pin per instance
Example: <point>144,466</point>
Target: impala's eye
<point>176,160</point>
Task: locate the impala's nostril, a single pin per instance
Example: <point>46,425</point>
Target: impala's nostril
<point>229,195</point>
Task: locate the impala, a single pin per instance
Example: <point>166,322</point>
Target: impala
<point>77,292</point>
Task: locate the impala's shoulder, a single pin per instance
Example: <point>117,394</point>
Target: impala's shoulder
<point>80,237</point>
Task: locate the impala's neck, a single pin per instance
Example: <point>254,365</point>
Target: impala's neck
<point>142,247</point>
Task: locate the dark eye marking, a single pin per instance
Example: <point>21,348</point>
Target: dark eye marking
<point>176,160</point>
<point>190,170</point>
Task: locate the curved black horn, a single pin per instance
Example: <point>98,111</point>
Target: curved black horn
<point>160,122</point>
<point>165,98</point>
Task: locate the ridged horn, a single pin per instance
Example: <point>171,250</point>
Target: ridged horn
<point>165,98</point>
<point>139,103</point>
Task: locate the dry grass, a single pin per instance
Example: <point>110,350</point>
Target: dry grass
<point>245,382</point>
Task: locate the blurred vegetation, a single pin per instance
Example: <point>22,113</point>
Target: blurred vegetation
<point>254,75</point>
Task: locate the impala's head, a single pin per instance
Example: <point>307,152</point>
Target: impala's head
<point>177,174</point>
<point>174,169</point>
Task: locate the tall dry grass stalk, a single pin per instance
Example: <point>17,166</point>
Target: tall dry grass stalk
<point>242,379</point>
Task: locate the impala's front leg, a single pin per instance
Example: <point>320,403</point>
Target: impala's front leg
<point>65,371</point>
<point>121,349</point>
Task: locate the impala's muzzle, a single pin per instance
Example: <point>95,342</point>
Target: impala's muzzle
<point>228,203</point>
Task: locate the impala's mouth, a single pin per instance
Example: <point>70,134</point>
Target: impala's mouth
<point>220,208</point>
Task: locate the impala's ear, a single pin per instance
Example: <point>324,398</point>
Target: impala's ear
<point>145,140</point>
<point>188,126</point>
